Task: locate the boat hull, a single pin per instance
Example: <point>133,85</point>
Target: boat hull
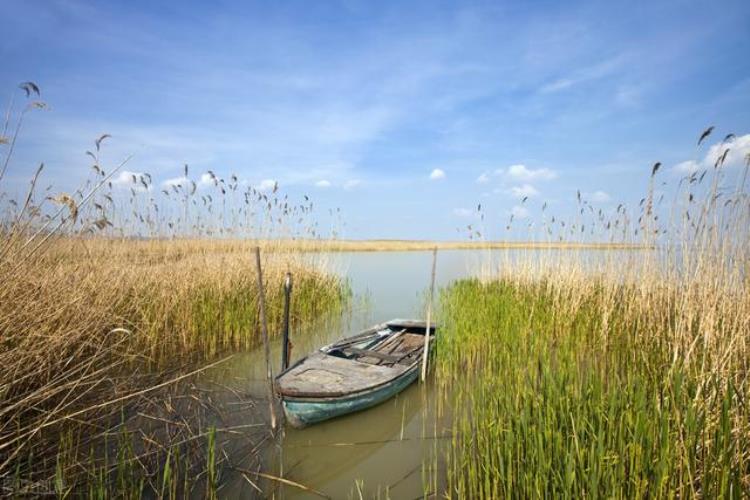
<point>301,412</point>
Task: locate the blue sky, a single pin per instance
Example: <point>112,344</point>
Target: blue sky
<point>404,114</point>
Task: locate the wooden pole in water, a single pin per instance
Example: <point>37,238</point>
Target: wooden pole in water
<point>264,332</point>
<point>429,317</point>
<point>286,348</point>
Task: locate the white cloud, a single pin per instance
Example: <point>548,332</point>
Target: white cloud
<point>519,212</point>
<point>266,185</point>
<point>686,167</point>
<point>182,182</point>
<point>126,178</point>
<point>462,212</point>
<point>590,73</point>
<point>739,148</point>
<point>323,184</point>
<point>483,179</point>
<point>206,180</point>
<point>523,191</point>
<point>351,184</point>
<point>175,181</point>
<point>523,173</point>
<point>600,197</point>
<point>437,174</point>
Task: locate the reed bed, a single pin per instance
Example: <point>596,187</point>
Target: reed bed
<point>609,375</point>
<point>88,322</point>
<point>114,299</point>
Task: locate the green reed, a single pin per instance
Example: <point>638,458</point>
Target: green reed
<point>543,407</point>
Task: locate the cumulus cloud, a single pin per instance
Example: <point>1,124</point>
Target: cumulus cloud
<point>437,174</point>
<point>266,185</point>
<point>524,191</point>
<point>738,151</point>
<point>739,148</point>
<point>519,212</point>
<point>483,179</point>
<point>181,181</point>
<point>323,184</point>
<point>351,184</point>
<point>686,167</point>
<point>523,173</point>
<point>206,180</point>
<point>600,197</point>
<point>126,178</point>
<point>462,212</point>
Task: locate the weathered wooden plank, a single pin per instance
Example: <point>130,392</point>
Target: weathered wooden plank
<point>327,375</point>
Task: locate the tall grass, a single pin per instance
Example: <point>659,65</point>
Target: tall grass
<point>609,375</point>
<point>109,294</point>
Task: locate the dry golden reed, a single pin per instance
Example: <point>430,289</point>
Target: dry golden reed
<point>103,302</point>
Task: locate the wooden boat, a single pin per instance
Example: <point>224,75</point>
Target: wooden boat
<point>354,373</point>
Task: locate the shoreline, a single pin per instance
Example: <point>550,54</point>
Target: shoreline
<point>377,245</point>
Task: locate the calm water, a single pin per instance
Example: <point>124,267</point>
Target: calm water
<point>392,446</point>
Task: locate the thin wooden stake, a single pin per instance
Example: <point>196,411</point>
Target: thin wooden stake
<point>286,346</point>
<point>429,317</point>
<point>264,332</point>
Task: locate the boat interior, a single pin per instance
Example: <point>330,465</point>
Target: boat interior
<point>396,344</point>
<point>357,363</point>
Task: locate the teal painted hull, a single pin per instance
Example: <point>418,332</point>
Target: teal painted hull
<point>301,412</point>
